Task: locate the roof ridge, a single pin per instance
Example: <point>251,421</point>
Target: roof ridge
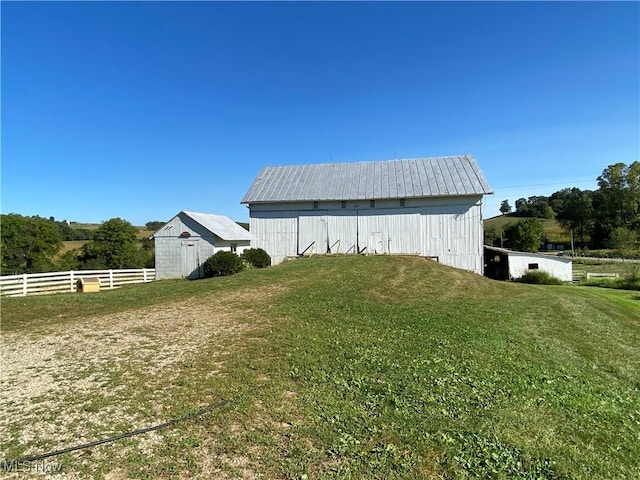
<point>441,157</point>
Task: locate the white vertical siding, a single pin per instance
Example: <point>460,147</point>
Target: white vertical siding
<point>274,233</point>
<point>447,228</point>
<point>556,267</point>
<point>454,234</point>
<point>177,257</point>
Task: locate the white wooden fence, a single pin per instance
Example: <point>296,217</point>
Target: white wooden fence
<point>58,282</point>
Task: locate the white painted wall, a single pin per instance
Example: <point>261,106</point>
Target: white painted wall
<point>447,228</point>
<point>177,257</point>
<point>555,266</point>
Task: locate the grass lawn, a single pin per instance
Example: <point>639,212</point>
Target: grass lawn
<point>620,267</point>
<point>343,367</point>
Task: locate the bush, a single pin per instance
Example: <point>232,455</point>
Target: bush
<point>631,281</point>
<point>222,264</point>
<point>538,277</point>
<point>257,257</point>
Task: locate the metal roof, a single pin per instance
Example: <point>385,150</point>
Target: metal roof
<point>418,177</point>
<point>219,225</point>
<point>515,253</point>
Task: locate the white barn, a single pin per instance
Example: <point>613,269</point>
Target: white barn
<point>427,206</point>
<point>503,264</point>
<point>184,243</point>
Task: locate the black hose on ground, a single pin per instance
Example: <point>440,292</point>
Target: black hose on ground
<point>5,465</point>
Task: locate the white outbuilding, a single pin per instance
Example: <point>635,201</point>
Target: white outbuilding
<point>503,264</point>
<point>425,206</point>
<point>184,243</point>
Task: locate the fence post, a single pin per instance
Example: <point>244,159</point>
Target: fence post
<point>111,279</point>
<point>24,284</point>
<point>71,281</point>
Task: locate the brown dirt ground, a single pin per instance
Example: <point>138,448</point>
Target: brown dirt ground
<point>57,387</point>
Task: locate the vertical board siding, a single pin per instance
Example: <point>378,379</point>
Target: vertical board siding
<point>183,257</point>
<point>450,230</point>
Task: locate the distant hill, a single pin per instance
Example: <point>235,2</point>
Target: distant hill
<point>553,231</point>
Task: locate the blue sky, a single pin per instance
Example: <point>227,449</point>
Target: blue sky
<point>142,109</point>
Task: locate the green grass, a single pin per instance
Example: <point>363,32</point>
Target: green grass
<point>622,268</point>
<point>389,367</point>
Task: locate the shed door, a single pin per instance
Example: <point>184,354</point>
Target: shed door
<point>190,252</point>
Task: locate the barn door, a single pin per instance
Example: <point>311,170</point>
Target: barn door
<point>313,231</point>
<point>190,253</point>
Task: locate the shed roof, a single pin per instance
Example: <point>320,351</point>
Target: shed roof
<point>219,225</point>
<point>418,177</point>
<point>515,253</point>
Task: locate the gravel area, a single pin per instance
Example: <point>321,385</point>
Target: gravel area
<point>72,383</point>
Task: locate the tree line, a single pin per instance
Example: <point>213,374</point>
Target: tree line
<point>34,244</point>
<point>608,217</point>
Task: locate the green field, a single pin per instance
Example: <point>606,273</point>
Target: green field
<point>339,367</point>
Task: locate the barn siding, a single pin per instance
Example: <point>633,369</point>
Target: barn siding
<point>449,228</point>
<point>172,261</point>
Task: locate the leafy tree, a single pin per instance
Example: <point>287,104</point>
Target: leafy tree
<point>492,235</point>
<point>28,244</point>
<point>114,245</point>
<point>69,233</point>
<point>525,235</point>
<point>148,252</point>
<point>69,260</point>
<point>617,203</point>
<point>154,226</point>
<point>505,207</point>
<point>574,209</point>
<point>522,207</point>
<point>623,240</point>
<point>536,206</point>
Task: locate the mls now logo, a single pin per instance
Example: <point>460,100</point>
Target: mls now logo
<point>30,467</point>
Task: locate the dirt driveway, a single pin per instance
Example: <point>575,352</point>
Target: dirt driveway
<point>80,381</point>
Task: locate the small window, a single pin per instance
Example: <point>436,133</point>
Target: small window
<point>185,235</point>
<point>533,266</point>
<point>234,247</point>
<point>344,204</point>
<point>315,205</point>
<point>402,202</point>
<point>372,203</point>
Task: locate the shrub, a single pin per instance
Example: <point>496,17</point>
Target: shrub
<point>538,277</point>
<point>222,264</point>
<point>257,257</point>
<point>628,282</point>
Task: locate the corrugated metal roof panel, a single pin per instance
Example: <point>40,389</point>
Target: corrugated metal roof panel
<point>219,225</point>
<point>419,177</point>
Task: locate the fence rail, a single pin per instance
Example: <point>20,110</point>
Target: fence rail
<point>601,275</point>
<point>58,282</point>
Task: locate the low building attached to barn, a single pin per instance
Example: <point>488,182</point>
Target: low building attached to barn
<point>503,264</point>
<point>184,243</point>
<point>427,206</point>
